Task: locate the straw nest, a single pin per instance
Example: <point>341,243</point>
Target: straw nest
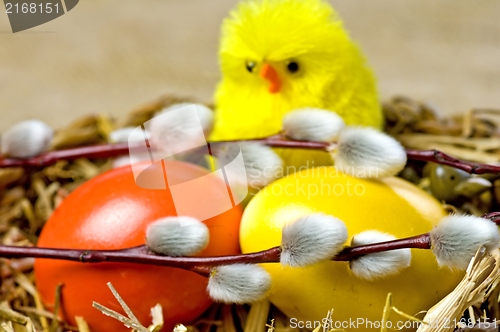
<point>29,196</point>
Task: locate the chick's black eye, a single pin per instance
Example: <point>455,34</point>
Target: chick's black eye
<point>292,67</point>
<point>250,65</point>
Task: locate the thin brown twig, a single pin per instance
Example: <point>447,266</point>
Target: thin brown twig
<point>51,157</point>
<point>111,150</point>
<point>442,158</point>
<point>277,141</point>
<point>203,265</point>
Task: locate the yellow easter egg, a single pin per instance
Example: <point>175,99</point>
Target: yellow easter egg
<point>390,205</point>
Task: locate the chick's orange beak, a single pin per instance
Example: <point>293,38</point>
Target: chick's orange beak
<point>269,73</point>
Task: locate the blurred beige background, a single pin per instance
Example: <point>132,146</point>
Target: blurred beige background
<point>110,56</point>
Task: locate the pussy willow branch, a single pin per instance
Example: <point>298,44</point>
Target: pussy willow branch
<point>49,158</point>
<point>202,265</point>
<point>277,141</point>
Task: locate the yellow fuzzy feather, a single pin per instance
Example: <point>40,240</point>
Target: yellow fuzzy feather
<point>332,73</point>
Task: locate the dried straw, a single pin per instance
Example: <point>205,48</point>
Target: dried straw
<point>28,197</point>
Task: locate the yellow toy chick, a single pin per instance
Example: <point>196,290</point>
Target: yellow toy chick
<point>280,55</point>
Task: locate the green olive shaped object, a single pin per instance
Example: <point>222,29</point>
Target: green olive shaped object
<point>444,181</point>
